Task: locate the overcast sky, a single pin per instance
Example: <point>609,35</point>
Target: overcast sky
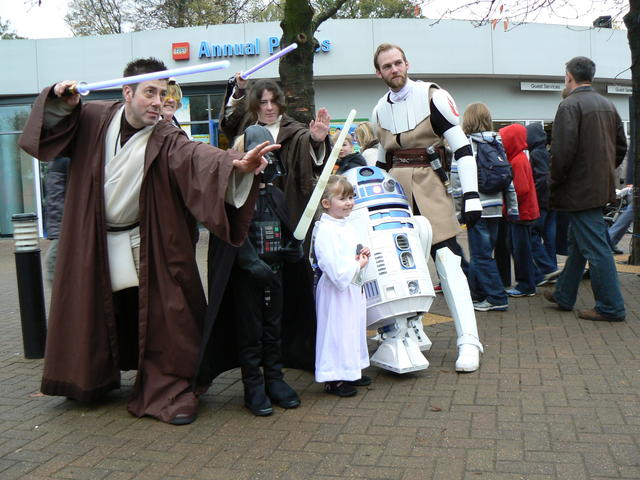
<point>47,21</point>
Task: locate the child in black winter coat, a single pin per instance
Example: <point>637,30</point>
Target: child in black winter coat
<point>347,158</point>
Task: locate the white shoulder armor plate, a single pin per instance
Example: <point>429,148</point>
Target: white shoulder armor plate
<point>404,116</point>
<point>446,106</point>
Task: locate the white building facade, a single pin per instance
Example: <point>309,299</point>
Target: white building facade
<point>518,73</point>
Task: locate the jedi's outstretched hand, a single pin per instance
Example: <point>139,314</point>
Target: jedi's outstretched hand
<point>253,160</point>
<point>319,127</point>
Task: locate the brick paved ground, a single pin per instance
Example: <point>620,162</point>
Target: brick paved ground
<point>555,398</point>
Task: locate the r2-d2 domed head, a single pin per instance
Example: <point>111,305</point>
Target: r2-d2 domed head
<point>374,187</point>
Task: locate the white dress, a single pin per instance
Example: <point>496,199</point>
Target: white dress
<point>341,342</point>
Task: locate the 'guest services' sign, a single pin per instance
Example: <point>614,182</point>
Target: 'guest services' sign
<point>541,86</point>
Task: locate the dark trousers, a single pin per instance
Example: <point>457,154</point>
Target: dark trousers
<point>543,242</point>
<point>502,253</point>
<point>258,312</point>
<point>526,273</point>
<point>562,233</point>
<point>125,304</point>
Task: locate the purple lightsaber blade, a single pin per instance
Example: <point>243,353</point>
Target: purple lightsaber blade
<point>85,88</point>
<point>268,60</point>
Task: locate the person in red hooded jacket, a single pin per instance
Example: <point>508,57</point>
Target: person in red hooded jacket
<point>514,139</point>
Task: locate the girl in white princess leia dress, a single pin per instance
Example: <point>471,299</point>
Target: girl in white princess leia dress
<point>341,343</point>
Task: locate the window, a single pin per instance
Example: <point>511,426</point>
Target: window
<point>17,181</point>
<point>199,116</point>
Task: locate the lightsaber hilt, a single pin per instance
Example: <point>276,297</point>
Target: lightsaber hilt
<point>436,165</point>
<point>310,210</point>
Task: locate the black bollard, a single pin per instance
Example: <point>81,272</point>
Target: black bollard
<point>30,289</point>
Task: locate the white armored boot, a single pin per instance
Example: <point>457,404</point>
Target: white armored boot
<point>458,298</point>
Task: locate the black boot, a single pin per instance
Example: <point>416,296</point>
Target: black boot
<point>277,389</point>
<point>282,394</point>
<point>256,400</point>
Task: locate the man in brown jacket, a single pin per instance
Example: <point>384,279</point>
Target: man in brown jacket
<point>588,143</point>
<point>127,294</point>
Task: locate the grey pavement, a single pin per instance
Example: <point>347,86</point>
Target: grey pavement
<point>556,397</point>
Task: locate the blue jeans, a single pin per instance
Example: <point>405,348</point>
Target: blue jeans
<point>587,242</point>
<point>619,228</point>
<point>543,242</point>
<point>526,273</point>
<point>484,279</point>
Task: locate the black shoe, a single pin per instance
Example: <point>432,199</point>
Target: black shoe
<point>363,381</point>
<point>617,251</point>
<point>282,394</point>
<point>256,400</point>
<point>340,388</point>
<point>183,419</point>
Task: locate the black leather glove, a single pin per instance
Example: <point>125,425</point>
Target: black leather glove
<point>471,208</point>
<point>292,251</point>
<point>249,261</point>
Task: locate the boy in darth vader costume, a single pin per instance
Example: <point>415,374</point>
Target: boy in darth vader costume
<point>247,330</point>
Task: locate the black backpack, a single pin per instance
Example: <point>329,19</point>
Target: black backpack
<point>494,170</point>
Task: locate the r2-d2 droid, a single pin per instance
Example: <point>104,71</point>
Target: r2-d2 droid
<point>397,284</point>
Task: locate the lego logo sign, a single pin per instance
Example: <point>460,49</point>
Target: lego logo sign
<point>180,51</point>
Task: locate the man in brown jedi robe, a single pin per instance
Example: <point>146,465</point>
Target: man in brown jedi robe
<point>127,293</point>
<point>303,153</point>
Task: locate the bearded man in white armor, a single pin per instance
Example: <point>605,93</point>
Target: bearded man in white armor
<point>410,117</point>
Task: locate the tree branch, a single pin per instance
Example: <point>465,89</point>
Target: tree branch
<point>328,13</point>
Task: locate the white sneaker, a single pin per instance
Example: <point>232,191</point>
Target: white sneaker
<point>468,358</point>
<point>553,275</point>
<point>485,306</point>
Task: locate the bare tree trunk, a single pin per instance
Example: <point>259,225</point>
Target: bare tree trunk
<point>632,21</point>
<point>296,68</point>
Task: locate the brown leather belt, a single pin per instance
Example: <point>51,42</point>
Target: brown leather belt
<point>409,157</point>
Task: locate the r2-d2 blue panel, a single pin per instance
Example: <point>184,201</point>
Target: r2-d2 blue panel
<point>396,281</point>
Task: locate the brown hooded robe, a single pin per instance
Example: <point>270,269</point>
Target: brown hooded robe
<point>181,177</point>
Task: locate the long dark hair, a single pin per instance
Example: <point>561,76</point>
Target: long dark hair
<point>255,96</point>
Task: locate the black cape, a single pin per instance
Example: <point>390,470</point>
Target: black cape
<point>218,352</point>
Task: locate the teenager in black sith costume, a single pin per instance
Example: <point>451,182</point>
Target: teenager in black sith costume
<point>252,305</point>
<point>303,153</point>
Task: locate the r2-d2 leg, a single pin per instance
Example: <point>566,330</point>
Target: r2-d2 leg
<point>415,330</point>
<point>398,352</point>
<point>458,297</point>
